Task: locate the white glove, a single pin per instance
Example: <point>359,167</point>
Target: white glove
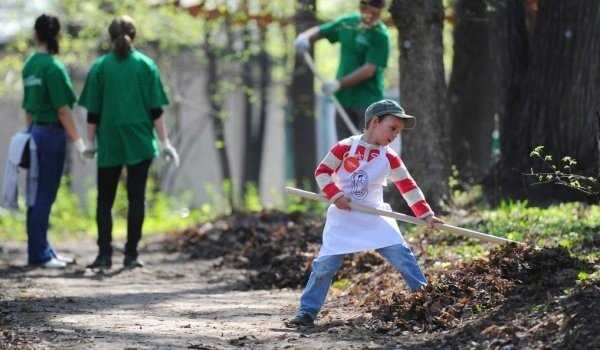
<point>302,43</point>
<point>89,153</point>
<point>80,147</point>
<point>329,87</point>
<point>170,152</point>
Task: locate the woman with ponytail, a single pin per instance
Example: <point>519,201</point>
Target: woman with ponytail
<point>47,100</point>
<point>124,96</point>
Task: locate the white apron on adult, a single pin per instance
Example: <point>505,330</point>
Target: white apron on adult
<point>351,231</point>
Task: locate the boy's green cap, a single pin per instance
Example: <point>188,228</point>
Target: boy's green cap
<point>389,107</point>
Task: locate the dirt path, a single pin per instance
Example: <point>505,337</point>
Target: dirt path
<point>172,303</point>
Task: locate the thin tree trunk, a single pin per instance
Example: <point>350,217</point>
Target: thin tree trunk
<point>423,93</point>
<point>302,101</point>
<point>255,65</point>
<point>216,105</point>
<point>264,62</point>
<point>249,173</point>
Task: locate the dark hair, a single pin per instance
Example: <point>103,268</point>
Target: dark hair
<point>381,118</point>
<point>375,3</point>
<point>46,30</point>
<point>122,33</point>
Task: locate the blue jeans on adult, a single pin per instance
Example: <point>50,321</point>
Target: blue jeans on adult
<point>325,267</point>
<point>51,149</point>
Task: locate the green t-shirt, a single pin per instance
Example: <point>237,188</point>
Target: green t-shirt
<point>122,93</point>
<point>359,45</point>
<point>46,87</point>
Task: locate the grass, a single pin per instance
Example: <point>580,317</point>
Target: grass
<point>74,217</point>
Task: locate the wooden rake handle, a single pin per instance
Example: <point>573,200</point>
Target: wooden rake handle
<point>405,218</point>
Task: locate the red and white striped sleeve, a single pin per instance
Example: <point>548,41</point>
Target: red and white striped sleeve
<point>326,168</point>
<point>411,193</point>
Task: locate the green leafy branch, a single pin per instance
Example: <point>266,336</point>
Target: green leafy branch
<point>561,173</point>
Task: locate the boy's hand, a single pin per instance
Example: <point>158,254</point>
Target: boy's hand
<point>342,203</point>
<point>433,222</point>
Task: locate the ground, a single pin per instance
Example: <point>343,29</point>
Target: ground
<point>172,303</point>
<point>519,297</point>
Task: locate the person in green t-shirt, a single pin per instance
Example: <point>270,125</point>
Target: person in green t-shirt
<point>47,100</point>
<point>364,52</point>
<point>124,96</point>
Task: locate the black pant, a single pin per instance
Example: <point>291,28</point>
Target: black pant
<point>108,179</point>
<point>357,116</point>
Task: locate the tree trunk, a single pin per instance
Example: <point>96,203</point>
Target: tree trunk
<point>215,98</point>
<point>472,100</point>
<point>255,66</point>
<point>560,92</point>
<point>264,63</point>
<point>423,93</point>
<point>510,59</point>
<point>303,102</point>
<point>250,168</point>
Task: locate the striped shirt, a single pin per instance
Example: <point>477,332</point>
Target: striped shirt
<point>399,175</point>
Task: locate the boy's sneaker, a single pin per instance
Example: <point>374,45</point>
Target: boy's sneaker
<point>131,262</point>
<point>101,262</point>
<point>301,320</point>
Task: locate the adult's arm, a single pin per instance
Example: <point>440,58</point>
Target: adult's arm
<point>312,34</point>
<point>359,75</point>
<point>66,119</point>
<point>161,129</point>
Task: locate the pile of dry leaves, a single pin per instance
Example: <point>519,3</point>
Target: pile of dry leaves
<point>276,247</point>
<point>519,297</point>
<point>467,289</point>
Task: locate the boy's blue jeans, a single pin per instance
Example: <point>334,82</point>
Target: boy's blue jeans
<point>51,141</point>
<point>324,269</point>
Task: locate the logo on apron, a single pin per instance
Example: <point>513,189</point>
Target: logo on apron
<point>360,184</point>
<point>351,163</point>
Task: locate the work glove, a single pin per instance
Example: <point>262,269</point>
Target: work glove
<point>302,43</point>
<point>169,152</point>
<point>329,87</point>
<point>80,147</point>
<point>89,153</point>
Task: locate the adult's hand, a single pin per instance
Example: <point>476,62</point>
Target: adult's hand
<point>329,87</point>
<point>89,153</point>
<point>302,43</point>
<point>80,147</point>
<point>169,151</point>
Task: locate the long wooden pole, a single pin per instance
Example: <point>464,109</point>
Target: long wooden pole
<point>405,218</point>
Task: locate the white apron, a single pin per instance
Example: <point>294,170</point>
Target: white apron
<point>352,231</point>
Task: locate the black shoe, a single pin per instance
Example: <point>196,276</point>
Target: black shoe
<point>131,262</point>
<point>301,320</point>
<point>101,262</point>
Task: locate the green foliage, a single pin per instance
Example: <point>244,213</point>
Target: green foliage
<point>561,173</point>
<point>252,198</point>
<point>574,226</point>
<point>297,203</point>
<point>571,225</point>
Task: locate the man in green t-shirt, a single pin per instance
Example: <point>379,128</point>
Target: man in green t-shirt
<point>364,52</point>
